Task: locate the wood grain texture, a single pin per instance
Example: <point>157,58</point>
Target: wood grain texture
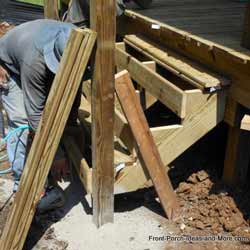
<point>223,60</point>
<point>144,139</point>
<point>194,73</point>
<point>173,141</point>
<point>162,89</point>
<point>103,21</point>
<point>81,166</point>
<point>51,9</point>
<point>48,135</point>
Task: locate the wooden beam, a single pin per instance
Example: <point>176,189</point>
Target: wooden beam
<point>233,113</point>
<point>245,42</point>
<point>237,156</point>
<point>144,139</point>
<point>47,138</point>
<point>163,90</point>
<point>190,71</point>
<point>103,21</point>
<point>51,9</point>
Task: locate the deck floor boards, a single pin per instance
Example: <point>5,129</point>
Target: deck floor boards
<point>220,21</point>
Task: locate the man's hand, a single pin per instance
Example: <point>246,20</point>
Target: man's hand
<point>4,76</point>
<point>60,169</point>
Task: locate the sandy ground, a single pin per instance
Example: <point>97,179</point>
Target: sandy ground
<point>73,225</point>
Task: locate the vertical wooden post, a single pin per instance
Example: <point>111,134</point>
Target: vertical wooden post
<point>51,9</point>
<point>245,42</point>
<point>237,156</point>
<point>103,21</point>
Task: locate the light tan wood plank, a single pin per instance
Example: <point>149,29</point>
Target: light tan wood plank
<point>159,87</point>
<point>173,142</point>
<point>48,135</point>
<point>199,76</point>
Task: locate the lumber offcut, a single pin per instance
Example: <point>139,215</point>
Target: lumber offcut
<point>48,135</point>
<point>144,139</point>
<point>103,21</point>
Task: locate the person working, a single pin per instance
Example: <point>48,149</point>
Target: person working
<point>29,57</point>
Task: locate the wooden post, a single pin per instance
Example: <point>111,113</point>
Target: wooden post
<point>237,152</point>
<point>103,21</point>
<point>51,9</point>
<point>237,156</point>
<point>245,42</point>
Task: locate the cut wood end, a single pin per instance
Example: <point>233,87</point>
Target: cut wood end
<point>121,74</point>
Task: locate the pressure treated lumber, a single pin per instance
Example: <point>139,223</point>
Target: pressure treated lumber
<point>51,9</point>
<point>237,156</point>
<point>48,135</point>
<point>170,95</point>
<point>219,58</point>
<point>233,113</point>
<point>103,21</point>
<point>246,28</point>
<point>121,128</point>
<point>245,123</point>
<point>81,166</point>
<point>189,70</point>
<point>174,141</point>
<point>143,137</point>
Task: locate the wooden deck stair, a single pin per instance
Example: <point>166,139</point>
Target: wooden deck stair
<point>193,93</point>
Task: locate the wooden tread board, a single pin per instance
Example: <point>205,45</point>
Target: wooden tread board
<point>203,77</point>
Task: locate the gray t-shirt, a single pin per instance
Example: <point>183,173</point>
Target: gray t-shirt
<point>21,53</point>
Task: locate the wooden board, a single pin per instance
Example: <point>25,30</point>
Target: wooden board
<point>48,135</point>
<point>170,95</point>
<point>103,21</point>
<point>81,166</point>
<point>245,123</point>
<point>196,75</point>
<point>144,139</point>
<point>228,62</point>
<point>51,9</point>
<point>174,141</point>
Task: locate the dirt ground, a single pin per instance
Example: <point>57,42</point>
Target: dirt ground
<point>210,208</point>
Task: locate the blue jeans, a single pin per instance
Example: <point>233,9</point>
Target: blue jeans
<point>13,103</point>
